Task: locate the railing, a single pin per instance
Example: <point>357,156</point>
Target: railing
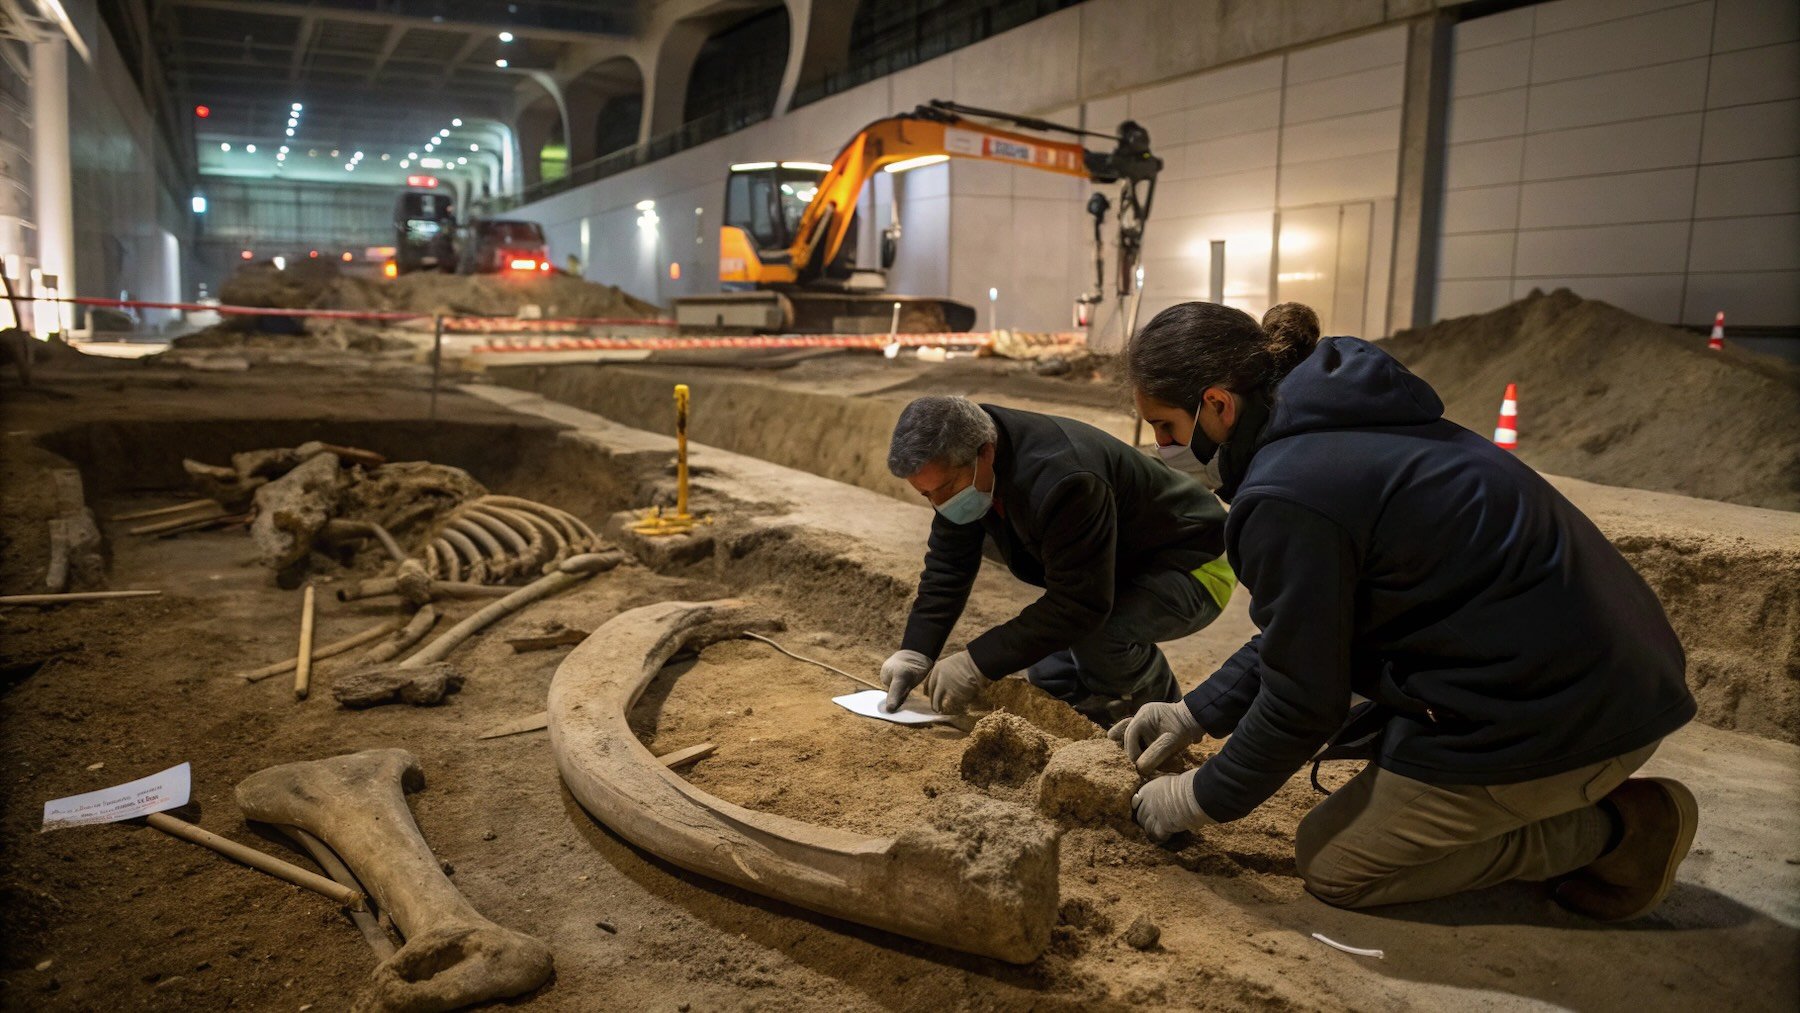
<point>955,33</point>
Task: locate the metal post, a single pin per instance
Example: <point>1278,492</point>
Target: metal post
<point>681,462</point>
<point>437,360</point>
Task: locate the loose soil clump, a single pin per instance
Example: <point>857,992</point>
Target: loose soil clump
<point>1005,749</point>
<point>1090,783</point>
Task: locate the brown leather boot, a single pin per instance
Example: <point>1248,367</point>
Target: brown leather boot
<point>1659,817</point>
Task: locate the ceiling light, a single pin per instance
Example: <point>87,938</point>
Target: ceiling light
<point>500,63</point>
<point>456,122</point>
<point>462,160</point>
<point>312,152</point>
<point>224,145</point>
<point>384,156</point>
<point>293,121</point>
<point>505,36</point>
<point>359,154</point>
<point>813,166</point>
<point>290,131</point>
<point>474,147</point>
<point>334,152</point>
<point>752,166</point>
<point>412,154</point>
<point>251,148</point>
<point>284,149</point>
<point>295,107</point>
<point>280,158</point>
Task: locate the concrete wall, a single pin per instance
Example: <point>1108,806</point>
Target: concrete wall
<point>1644,152</point>
<point>127,220</point>
<point>1309,136</point>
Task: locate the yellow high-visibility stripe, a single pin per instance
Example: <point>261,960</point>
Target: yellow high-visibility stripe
<point>1218,579</point>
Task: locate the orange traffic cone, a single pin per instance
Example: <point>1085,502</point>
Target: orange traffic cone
<point>1717,341</point>
<point>1506,431</point>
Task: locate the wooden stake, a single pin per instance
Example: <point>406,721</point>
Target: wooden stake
<point>257,860</point>
<point>332,649</point>
<point>138,515</point>
<point>303,662</point>
<point>69,596</point>
<point>157,527</point>
<point>365,919</point>
<point>683,757</point>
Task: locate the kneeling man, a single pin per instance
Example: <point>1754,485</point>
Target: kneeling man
<point>1129,553</point>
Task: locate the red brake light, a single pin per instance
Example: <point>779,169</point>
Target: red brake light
<point>428,182</point>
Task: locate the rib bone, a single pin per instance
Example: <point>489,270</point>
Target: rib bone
<point>356,804</point>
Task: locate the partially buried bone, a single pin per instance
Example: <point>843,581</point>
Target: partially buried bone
<point>356,804</point>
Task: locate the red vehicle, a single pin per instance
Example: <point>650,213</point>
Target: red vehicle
<point>491,246</point>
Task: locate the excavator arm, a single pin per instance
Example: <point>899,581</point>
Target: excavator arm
<point>943,128</point>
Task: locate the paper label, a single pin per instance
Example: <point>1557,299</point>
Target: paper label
<point>868,703</point>
<point>146,795</point>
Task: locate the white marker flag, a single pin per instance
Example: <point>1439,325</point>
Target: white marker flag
<point>146,795</point>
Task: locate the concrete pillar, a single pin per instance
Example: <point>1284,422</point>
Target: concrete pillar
<point>584,117</point>
<point>534,127</point>
<point>53,189</point>
<point>818,45</point>
<point>1419,206</point>
<point>666,79</point>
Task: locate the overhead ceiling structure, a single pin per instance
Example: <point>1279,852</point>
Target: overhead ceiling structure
<point>365,91</point>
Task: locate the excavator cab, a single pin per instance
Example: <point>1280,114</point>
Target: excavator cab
<point>764,202</point>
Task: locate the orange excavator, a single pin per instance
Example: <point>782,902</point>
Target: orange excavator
<point>787,245</point>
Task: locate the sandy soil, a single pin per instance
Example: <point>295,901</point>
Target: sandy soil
<point>127,917</point>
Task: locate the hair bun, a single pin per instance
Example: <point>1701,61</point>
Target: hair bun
<point>1293,331</point>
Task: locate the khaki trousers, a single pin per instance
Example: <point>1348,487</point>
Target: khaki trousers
<point>1384,838</point>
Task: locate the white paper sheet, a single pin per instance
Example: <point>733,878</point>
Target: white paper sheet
<point>868,703</point>
<point>146,795</point>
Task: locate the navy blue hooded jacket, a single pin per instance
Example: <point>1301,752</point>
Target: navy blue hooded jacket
<point>1392,553</point>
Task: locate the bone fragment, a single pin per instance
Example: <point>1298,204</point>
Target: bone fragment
<point>364,919</point>
<point>570,572</point>
<point>336,647</point>
<point>303,661</point>
<point>256,859</point>
<point>414,631</point>
<point>56,574</point>
<point>545,641</point>
<point>453,956</point>
<point>467,556</point>
<point>69,596</point>
<point>536,722</point>
<point>419,685</point>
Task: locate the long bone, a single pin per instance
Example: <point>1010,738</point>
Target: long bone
<point>356,804</point>
<point>973,874</point>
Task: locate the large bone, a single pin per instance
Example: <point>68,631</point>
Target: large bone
<point>976,875</point>
<point>356,804</point>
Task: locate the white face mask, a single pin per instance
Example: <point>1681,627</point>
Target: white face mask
<point>1186,457</point>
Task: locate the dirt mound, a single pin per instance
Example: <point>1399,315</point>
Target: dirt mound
<point>554,294</point>
<point>1613,398</point>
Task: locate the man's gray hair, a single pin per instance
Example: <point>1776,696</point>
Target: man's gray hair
<point>940,428</point>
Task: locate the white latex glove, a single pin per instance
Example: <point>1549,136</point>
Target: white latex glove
<point>900,673</point>
<point>1166,806</point>
<point>954,683</point>
<point>1155,733</point>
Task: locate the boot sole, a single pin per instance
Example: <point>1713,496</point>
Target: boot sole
<point>1687,811</point>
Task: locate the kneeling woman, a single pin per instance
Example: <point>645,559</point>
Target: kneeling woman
<point>1517,670</point>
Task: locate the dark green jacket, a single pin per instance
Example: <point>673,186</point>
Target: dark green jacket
<point>1077,513</point>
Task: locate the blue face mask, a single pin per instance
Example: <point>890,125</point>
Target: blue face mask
<point>967,506</point>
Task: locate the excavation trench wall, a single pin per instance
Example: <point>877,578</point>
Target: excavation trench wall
<point>1726,574</point>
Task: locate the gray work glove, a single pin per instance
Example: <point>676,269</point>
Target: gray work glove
<point>1155,733</point>
<point>1166,806</point>
<point>900,673</point>
<point>954,683</point>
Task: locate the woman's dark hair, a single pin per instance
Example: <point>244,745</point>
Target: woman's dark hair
<point>1195,345</point>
